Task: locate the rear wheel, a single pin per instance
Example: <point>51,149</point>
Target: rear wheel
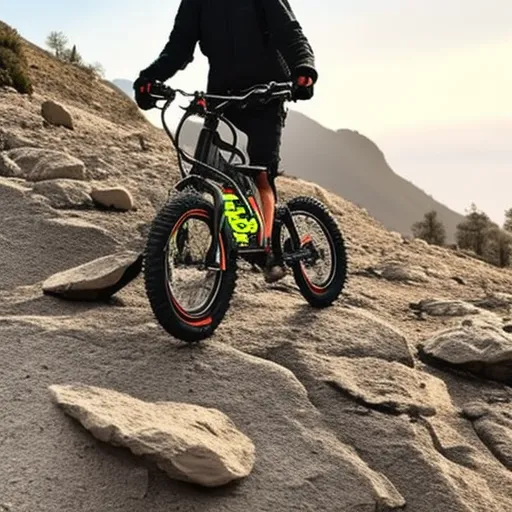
<point>321,271</point>
<point>188,299</point>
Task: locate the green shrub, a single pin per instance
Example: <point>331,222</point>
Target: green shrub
<point>9,38</point>
<point>430,229</point>
<point>13,66</point>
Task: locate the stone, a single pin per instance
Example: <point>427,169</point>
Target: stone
<point>56,114</point>
<point>388,386</point>
<point>485,350</point>
<point>442,307</point>
<point>96,280</point>
<point>493,425</point>
<point>188,442</point>
<point>11,140</point>
<point>117,198</point>
<point>43,164</point>
<point>8,167</point>
<point>396,271</point>
<point>65,194</point>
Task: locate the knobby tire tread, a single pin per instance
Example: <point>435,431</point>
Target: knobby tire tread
<point>155,261</point>
<point>321,212</point>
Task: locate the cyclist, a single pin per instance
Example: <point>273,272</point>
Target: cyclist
<point>247,42</point>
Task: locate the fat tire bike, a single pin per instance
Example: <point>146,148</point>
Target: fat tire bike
<point>219,196</point>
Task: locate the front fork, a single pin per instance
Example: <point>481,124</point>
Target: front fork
<point>213,257</point>
<point>284,217</point>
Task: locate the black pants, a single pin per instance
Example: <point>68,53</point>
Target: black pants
<point>263,126</point>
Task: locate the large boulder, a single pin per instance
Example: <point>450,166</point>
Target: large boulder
<point>485,350</point>
<point>56,114</point>
<point>188,442</point>
<point>44,164</point>
<point>97,279</point>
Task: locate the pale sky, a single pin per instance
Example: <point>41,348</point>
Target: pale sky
<point>429,81</point>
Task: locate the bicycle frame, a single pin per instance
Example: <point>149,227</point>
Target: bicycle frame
<point>233,193</point>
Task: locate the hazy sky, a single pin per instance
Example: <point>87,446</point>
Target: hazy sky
<point>430,81</point>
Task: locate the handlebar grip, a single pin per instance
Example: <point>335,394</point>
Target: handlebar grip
<point>163,91</point>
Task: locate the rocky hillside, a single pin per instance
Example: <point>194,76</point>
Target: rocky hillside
<point>349,164</point>
<point>396,398</point>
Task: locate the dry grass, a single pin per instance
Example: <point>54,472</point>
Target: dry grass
<point>79,87</point>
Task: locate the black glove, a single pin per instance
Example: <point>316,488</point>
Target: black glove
<point>142,87</point>
<point>304,80</point>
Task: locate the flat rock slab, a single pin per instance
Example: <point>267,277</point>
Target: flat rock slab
<point>395,271</point>
<point>97,279</point>
<point>188,442</point>
<point>484,350</point>
<point>398,272</point>
<point>448,308</point>
<point>44,164</point>
<point>388,386</point>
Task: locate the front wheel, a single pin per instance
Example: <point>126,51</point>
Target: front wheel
<point>188,297</point>
<point>318,258</point>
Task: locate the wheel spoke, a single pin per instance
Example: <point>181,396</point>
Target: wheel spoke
<point>191,283</point>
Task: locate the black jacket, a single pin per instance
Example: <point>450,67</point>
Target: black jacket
<point>246,42</point>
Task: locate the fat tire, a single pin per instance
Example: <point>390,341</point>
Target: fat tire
<point>155,271</point>
<point>321,213</point>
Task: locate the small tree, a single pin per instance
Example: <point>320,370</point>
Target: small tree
<point>472,231</point>
<point>508,221</point>
<point>73,56</point>
<point>498,250</point>
<point>430,229</point>
<point>57,41</point>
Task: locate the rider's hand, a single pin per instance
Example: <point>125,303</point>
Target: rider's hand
<point>304,82</point>
<point>142,88</point>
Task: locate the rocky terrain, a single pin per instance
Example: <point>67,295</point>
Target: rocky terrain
<point>396,398</point>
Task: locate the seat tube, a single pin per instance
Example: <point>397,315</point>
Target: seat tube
<point>205,140</point>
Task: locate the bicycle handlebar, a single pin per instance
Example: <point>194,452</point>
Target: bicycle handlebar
<point>271,90</point>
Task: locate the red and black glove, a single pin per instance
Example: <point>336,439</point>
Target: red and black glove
<point>142,87</point>
<point>303,84</point>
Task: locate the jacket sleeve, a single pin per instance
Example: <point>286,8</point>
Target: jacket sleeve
<point>286,33</point>
<point>179,50</point>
